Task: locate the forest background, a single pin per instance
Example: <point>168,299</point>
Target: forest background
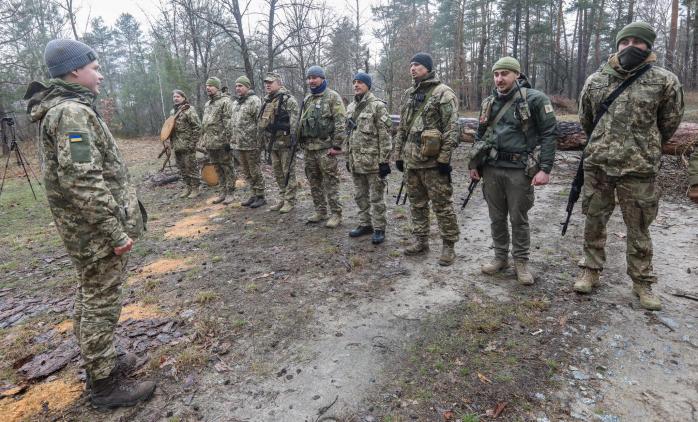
<point>183,42</point>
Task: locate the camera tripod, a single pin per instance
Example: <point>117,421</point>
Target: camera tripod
<point>9,124</point>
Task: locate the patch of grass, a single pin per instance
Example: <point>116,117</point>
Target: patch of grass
<point>330,250</point>
<point>205,297</point>
<point>151,283</point>
<point>395,253</point>
<point>238,323</point>
<point>207,326</point>
<point>191,357</point>
<point>470,417</point>
<point>251,288</point>
<point>356,261</point>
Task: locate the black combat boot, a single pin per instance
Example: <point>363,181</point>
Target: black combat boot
<point>116,391</point>
<point>249,201</point>
<point>258,202</point>
<point>360,231</point>
<point>378,237</point>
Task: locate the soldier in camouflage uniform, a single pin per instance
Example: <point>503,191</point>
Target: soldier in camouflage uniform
<point>184,138</point>
<point>623,155</point>
<point>277,124</point>
<point>243,127</point>
<point>95,209</point>
<point>693,177</point>
<point>215,137</point>
<point>368,149</point>
<point>321,136</point>
<point>514,151</point>
<point>427,136</point>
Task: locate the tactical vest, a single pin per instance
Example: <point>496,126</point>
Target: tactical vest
<point>314,125</point>
<point>273,116</point>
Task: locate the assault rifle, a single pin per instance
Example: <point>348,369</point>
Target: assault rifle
<point>399,193</point>
<point>471,189</point>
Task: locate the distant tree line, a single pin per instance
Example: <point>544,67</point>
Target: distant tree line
<point>559,43</point>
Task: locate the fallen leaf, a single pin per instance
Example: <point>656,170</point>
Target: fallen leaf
<point>499,409</point>
<point>449,416</point>
<point>483,379</point>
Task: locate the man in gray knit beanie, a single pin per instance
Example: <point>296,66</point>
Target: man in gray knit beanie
<point>64,56</point>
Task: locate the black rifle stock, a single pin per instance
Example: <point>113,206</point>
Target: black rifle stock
<point>471,189</point>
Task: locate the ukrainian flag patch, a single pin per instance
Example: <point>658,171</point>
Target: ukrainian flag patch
<point>75,137</point>
<point>79,146</point>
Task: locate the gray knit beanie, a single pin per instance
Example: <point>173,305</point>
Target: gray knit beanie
<point>64,56</point>
<point>315,71</point>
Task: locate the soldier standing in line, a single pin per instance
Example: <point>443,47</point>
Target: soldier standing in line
<point>321,136</point>
<point>277,121</point>
<point>96,211</point>
<point>623,154</point>
<point>215,137</point>
<point>184,138</point>
<point>427,136</point>
<point>243,127</point>
<point>368,149</point>
<point>514,151</point>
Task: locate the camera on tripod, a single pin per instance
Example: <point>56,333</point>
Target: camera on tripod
<point>9,138</point>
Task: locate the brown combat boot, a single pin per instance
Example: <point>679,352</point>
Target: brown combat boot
<point>194,192</point>
<point>648,300</point>
<point>184,194</point>
<point>116,391</point>
<point>317,217</point>
<point>448,254</point>
<point>221,197</point>
<point>288,207</point>
<point>334,221</point>
<point>523,274</point>
<point>495,266</point>
<point>277,206</point>
<point>587,280</point>
<point>229,197</point>
<point>420,245</point>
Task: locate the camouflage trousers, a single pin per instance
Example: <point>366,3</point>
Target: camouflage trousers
<point>249,164</point>
<point>223,160</point>
<point>279,164</point>
<point>638,199</point>
<point>368,193</point>
<point>424,185</point>
<point>322,172</point>
<point>186,163</point>
<point>97,310</point>
<point>508,193</point>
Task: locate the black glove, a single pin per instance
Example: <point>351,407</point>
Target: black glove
<point>347,164</point>
<point>226,147</point>
<point>383,170</point>
<point>444,168</point>
<point>400,165</point>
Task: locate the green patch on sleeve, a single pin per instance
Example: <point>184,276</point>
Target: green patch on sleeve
<point>79,147</point>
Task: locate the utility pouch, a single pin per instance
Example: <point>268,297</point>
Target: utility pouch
<point>430,142</point>
<point>533,162</point>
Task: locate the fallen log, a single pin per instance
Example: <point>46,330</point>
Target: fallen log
<point>571,137</point>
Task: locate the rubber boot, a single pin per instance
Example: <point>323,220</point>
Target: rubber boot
<point>420,246</point>
<point>116,391</point>
<point>258,202</point>
<point>587,280</point>
<point>317,217</point>
<point>523,275</point>
<point>334,221</point>
<point>648,299</point>
<point>378,237</point>
<point>448,254</point>
<point>495,266</point>
<point>361,231</point>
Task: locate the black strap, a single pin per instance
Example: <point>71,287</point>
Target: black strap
<point>616,93</point>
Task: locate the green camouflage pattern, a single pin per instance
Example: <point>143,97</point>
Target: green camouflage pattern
<point>440,112</point>
<point>96,312</point>
<point>186,131</point>
<point>369,143</point>
<point>638,198</point>
<point>425,185</point>
<point>249,165</point>
<point>188,167</point>
<point>94,204</point>
<point>508,135</point>
<point>279,165</point>
<point>223,161</point>
<point>215,124</point>
<point>322,172</point>
<point>282,140</point>
<point>243,123</point>
<point>693,169</point>
<point>322,121</point>
<point>509,196</point>
<point>369,189</point>
<point>629,137</point>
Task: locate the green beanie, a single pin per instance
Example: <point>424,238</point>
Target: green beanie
<point>508,63</point>
<point>213,81</point>
<point>640,30</point>
<point>243,80</point>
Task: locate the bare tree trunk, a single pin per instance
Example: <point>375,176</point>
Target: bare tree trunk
<point>481,52</point>
<point>631,11</point>
<point>517,29</point>
<point>270,35</point>
<point>673,30</point>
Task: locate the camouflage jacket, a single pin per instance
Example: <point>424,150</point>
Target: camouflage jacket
<point>285,106</point>
<point>93,202</point>
<point>693,169</point>
<point>438,111</point>
<point>508,135</point>
<point>216,122</point>
<point>243,124</point>
<point>322,121</point>
<point>629,137</point>
<point>369,142</point>
<point>186,131</point>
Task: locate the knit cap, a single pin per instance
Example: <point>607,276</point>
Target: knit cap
<point>639,29</point>
<point>424,59</point>
<point>315,71</point>
<point>507,63</point>
<point>243,80</point>
<point>363,77</point>
<point>63,56</point>
<point>213,81</point>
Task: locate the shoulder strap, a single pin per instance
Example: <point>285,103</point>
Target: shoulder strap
<point>616,93</point>
<point>427,96</point>
<point>498,117</point>
<point>359,109</point>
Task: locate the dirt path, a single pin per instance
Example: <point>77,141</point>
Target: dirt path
<point>260,317</point>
